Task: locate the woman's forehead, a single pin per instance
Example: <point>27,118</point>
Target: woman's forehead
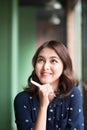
<point>48,53</point>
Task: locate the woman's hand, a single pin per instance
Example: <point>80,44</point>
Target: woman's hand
<point>45,92</point>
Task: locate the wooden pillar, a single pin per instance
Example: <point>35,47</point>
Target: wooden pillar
<point>74,42</point>
<point>84,58</point>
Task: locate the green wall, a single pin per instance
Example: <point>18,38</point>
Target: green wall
<point>27,28</point>
<point>17,45</point>
<point>5,65</point>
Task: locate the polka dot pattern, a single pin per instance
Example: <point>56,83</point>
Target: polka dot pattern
<point>60,113</point>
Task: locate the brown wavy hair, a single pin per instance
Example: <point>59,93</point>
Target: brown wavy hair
<point>67,80</point>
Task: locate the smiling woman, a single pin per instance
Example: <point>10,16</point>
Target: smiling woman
<point>36,108</point>
<point>48,63</point>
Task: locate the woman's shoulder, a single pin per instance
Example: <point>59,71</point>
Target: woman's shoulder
<point>74,94</point>
<point>76,91</point>
<point>22,96</point>
<point>75,97</point>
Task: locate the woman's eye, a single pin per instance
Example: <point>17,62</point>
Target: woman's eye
<point>40,60</point>
<point>54,61</point>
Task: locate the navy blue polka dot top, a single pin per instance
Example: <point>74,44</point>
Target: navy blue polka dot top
<point>62,114</point>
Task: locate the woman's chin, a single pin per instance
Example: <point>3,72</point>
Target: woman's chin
<point>45,82</point>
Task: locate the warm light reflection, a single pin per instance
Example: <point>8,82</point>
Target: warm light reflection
<point>55,20</point>
<point>53,4</point>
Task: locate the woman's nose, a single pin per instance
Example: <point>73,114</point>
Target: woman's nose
<point>46,65</point>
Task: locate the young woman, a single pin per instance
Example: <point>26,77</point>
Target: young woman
<point>54,102</point>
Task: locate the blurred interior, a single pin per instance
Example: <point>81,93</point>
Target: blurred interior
<point>25,25</point>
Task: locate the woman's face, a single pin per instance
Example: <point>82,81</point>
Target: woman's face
<point>49,67</point>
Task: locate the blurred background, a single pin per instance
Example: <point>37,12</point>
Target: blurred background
<point>25,25</point>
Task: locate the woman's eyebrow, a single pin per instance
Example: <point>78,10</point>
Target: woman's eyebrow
<point>40,56</point>
<point>55,57</point>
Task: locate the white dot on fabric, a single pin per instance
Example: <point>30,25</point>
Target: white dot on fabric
<point>26,120</point>
<point>69,119</point>
<point>30,97</point>
<point>74,129</point>
<point>67,108</point>
<point>51,110</point>
<point>79,110</point>
<point>72,95</point>
<point>25,106</point>
<point>34,109</point>
<point>49,119</point>
<point>71,108</point>
<point>82,124</point>
<point>62,115</point>
<point>56,126</point>
<point>61,103</point>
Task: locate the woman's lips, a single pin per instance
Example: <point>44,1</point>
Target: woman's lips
<point>45,73</point>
